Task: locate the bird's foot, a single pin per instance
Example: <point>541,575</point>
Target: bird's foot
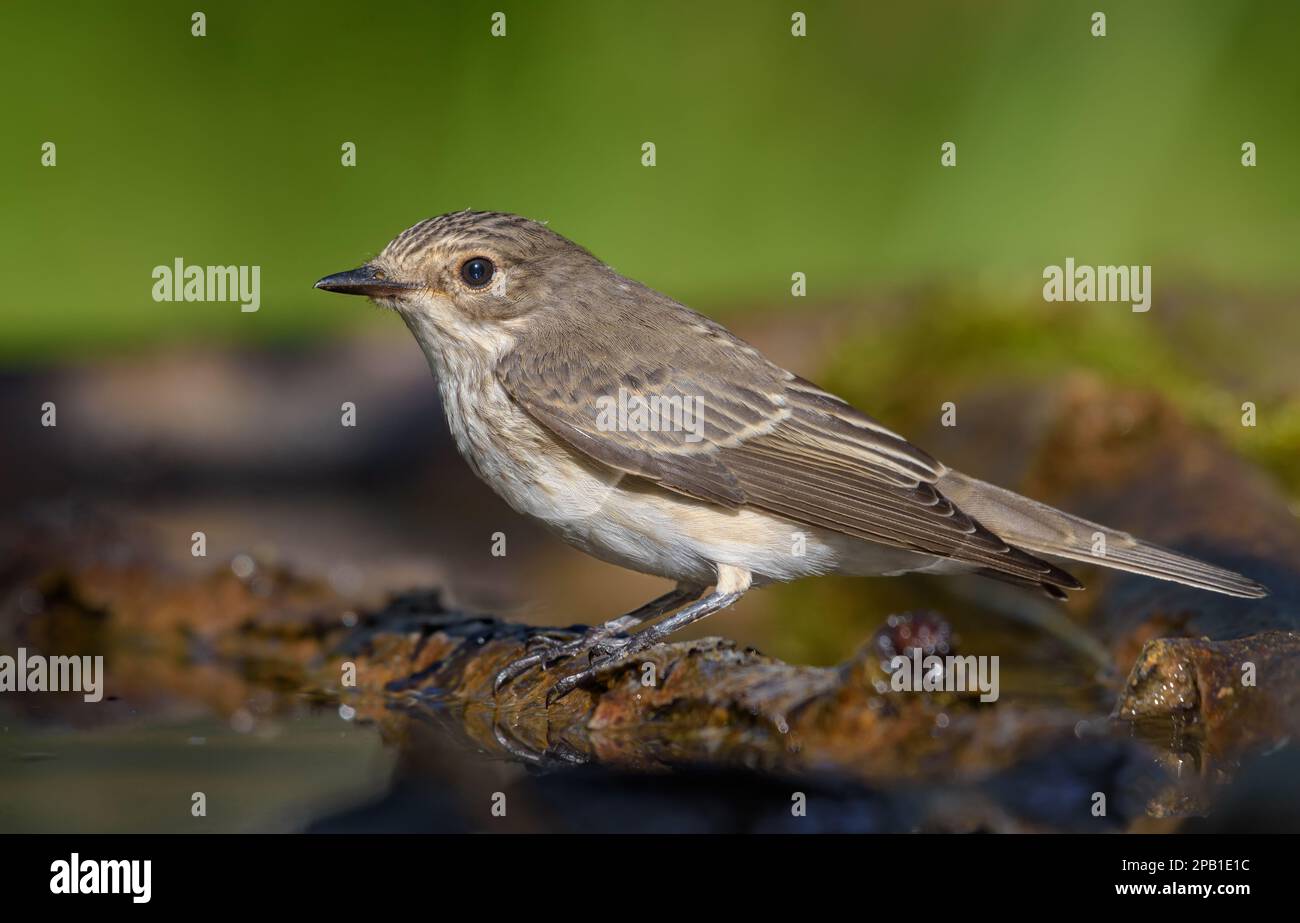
<point>604,657</point>
<point>546,649</point>
<point>615,650</point>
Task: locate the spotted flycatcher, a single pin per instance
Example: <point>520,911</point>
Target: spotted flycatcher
<point>651,437</point>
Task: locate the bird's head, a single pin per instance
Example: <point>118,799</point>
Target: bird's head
<point>469,277</point>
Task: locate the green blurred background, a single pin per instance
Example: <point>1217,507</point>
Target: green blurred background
<point>775,154</point>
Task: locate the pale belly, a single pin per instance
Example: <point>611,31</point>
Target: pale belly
<point>635,524</point>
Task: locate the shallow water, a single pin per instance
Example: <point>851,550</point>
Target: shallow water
<point>272,774</point>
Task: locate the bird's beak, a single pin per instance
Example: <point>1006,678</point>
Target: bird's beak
<point>367,280</point>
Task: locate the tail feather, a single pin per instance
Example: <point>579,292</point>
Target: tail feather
<point>1038,528</point>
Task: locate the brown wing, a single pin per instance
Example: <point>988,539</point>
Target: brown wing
<point>764,438</point>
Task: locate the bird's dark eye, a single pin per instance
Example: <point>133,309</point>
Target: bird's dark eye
<point>477,272</point>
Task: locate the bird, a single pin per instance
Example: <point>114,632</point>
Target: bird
<point>651,437</point>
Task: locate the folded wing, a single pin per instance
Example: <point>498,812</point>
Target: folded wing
<point>762,438</point>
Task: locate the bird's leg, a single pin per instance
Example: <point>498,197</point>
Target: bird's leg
<point>678,596</point>
<point>616,651</point>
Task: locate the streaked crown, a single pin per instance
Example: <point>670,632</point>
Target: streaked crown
<point>512,233</point>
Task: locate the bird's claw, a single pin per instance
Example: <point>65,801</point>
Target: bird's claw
<point>606,656</point>
<point>600,642</point>
<point>515,668</point>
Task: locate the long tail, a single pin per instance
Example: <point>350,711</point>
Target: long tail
<point>1038,528</point>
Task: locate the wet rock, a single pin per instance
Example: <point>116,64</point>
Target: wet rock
<point>1234,699</point>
